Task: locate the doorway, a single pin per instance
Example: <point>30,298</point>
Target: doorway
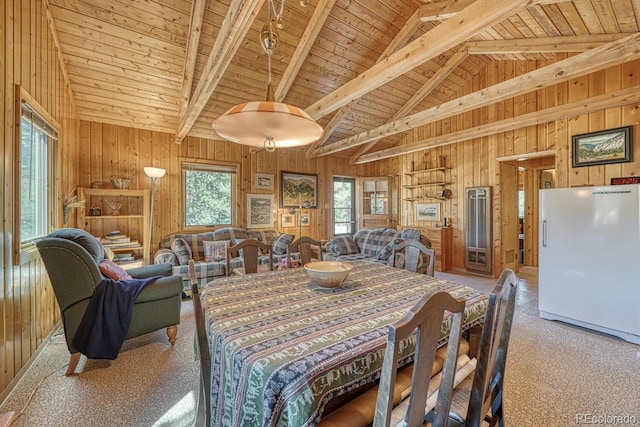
<point>521,180</point>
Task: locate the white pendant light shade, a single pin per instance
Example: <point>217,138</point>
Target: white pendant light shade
<point>252,123</point>
<point>268,124</point>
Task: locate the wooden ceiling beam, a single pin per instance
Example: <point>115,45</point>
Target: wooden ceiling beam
<point>307,40</point>
<point>422,93</point>
<point>195,29</point>
<point>597,103</point>
<point>400,39</point>
<point>442,9</point>
<point>542,45</point>
<point>616,52</point>
<point>240,16</point>
<point>470,21</point>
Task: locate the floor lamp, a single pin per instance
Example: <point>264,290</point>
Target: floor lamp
<point>154,174</point>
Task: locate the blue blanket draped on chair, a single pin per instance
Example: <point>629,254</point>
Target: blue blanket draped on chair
<point>106,322</point>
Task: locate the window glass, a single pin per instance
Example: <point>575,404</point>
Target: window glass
<point>344,219</point>
<point>37,161</point>
<point>209,195</point>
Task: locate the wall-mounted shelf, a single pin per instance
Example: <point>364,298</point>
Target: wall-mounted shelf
<point>442,169</point>
<point>414,194</point>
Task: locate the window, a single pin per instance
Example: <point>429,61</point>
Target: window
<point>209,194</point>
<point>37,165</point>
<point>344,212</point>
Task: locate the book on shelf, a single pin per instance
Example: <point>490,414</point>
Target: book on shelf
<point>130,244</point>
<point>109,240</point>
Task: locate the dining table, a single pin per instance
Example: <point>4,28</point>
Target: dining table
<point>282,347</point>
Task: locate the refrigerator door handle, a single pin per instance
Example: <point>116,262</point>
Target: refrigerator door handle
<point>544,233</point>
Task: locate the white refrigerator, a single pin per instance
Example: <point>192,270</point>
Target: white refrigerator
<point>589,258</point>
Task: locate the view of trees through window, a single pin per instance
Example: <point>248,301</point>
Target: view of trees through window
<point>208,197</point>
<point>343,205</point>
<point>35,212</point>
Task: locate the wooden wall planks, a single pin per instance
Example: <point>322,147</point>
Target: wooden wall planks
<point>116,150</point>
<point>474,163</point>
<point>29,58</point>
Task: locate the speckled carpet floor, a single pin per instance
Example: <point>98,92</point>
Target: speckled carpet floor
<point>557,375</point>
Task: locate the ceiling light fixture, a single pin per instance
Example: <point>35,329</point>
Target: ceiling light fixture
<point>268,124</point>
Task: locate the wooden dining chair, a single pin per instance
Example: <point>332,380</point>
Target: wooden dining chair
<point>425,319</point>
<point>203,414</point>
<point>414,252</point>
<point>480,395</point>
<point>304,246</point>
<point>250,251</point>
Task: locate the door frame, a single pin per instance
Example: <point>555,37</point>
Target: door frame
<point>532,163</point>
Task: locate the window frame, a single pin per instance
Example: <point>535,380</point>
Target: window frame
<point>210,166</point>
<point>26,251</point>
<point>354,209</point>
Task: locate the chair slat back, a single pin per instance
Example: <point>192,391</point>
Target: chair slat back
<point>413,251</point>
<point>204,404</point>
<point>251,250</point>
<point>486,390</point>
<point>304,245</point>
<point>425,318</point>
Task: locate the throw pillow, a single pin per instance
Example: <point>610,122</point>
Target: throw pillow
<point>182,250</point>
<point>113,271</point>
<point>410,233</point>
<point>281,242</point>
<point>386,252</point>
<point>344,245</point>
<point>216,250</point>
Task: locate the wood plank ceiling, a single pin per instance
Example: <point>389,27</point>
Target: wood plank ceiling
<point>176,65</point>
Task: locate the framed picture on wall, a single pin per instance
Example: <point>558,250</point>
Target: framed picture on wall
<point>260,210</point>
<point>288,220</point>
<point>427,211</point>
<point>298,190</point>
<point>304,220</point>
<point>263,181</point>
<point>603,147</point>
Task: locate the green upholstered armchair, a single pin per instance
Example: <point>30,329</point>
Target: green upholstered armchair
<point>71,257</point>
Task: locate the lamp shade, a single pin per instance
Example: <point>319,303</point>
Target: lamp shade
<point>154,172</point>
<point>252,123</point>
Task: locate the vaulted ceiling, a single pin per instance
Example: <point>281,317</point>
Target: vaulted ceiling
<point>367,70</point>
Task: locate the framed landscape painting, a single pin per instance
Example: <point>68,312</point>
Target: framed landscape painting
<point>260,210</point>
<point>428,211</point>
<point>263,181</point>
<point>603,147</point>
<point>298,190</point>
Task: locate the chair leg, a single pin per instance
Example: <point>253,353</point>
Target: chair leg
<point>172,333</point>
<point>73,363</point>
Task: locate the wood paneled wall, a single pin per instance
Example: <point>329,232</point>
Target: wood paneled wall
<point>110,150</point>
<point>474,163</point>
<point>29,58</point>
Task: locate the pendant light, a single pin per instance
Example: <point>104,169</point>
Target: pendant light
<point>268,124</point>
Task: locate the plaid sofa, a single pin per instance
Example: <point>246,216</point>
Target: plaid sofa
<point>369,245</point>
<point>207,270</point>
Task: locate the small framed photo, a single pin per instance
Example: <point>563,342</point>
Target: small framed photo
<point>603,147</point>
<point>427,211</point>
<point>263,181</point>
<point>260,210</point>
<point>304,220</point>
<point>288,220</point>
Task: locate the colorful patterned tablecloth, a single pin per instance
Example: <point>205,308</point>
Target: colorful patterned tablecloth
<point>282,347</point>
